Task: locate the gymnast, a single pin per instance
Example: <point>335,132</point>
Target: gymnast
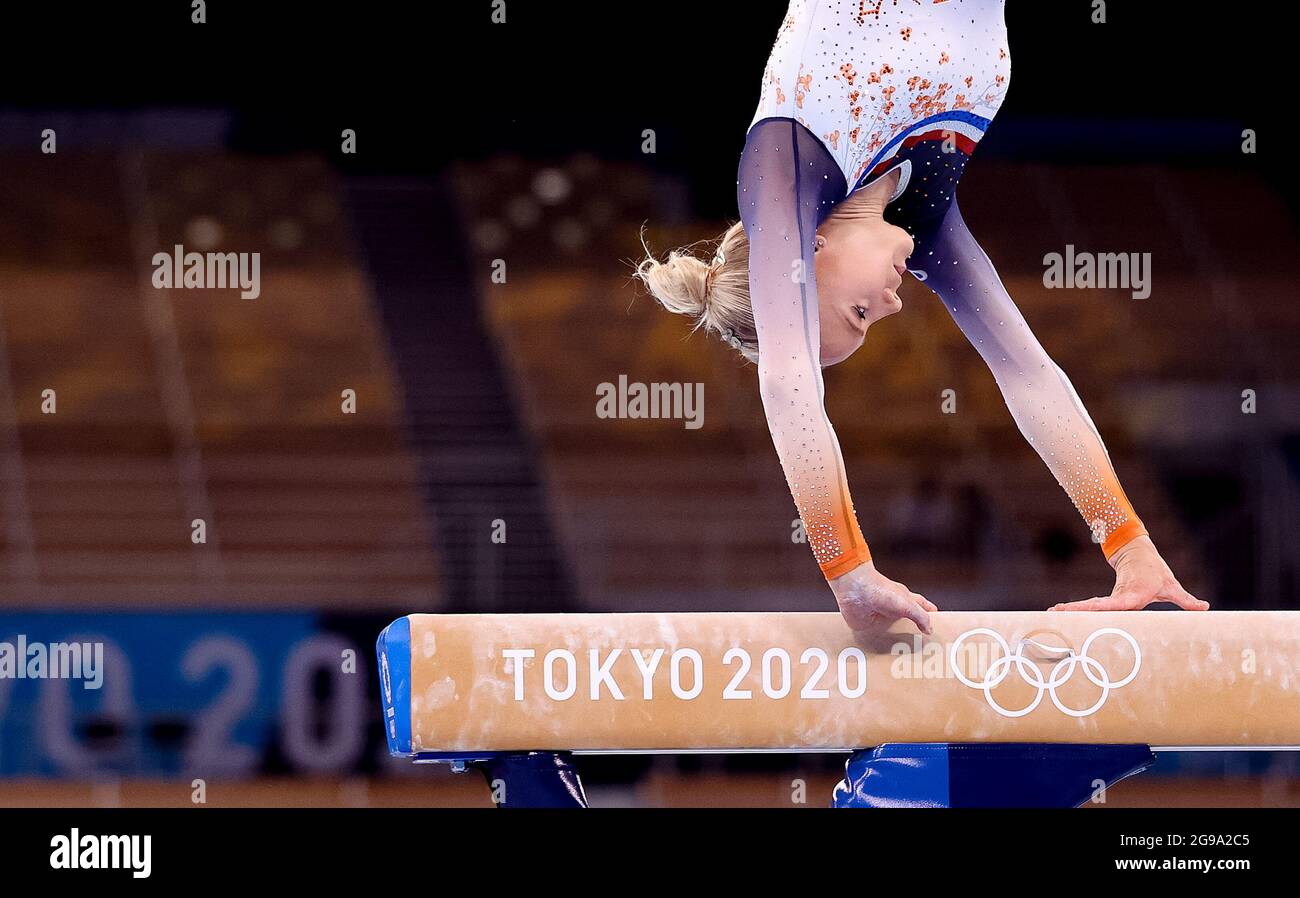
<point>868,113</point>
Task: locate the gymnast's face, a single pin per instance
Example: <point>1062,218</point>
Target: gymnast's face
<point>860,265</point>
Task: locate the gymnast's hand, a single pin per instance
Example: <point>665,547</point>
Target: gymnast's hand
<point>871,601</point>
<point>1141,577</point>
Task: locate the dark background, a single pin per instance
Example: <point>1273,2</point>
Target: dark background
<point>565,76</point>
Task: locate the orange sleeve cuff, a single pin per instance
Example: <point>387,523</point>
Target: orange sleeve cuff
<point>846,562</point>
<point>1122,535</point>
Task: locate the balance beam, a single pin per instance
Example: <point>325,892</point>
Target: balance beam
<point>466,685</point>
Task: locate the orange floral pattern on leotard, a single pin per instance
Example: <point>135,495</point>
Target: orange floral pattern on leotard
<point>869,71</point>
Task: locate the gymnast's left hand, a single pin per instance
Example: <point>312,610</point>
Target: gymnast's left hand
<point>1141,577</point>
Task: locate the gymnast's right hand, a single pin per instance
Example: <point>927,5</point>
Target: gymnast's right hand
<point>871,601</point>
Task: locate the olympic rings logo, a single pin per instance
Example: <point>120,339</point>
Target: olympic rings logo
<point>1060,672</point>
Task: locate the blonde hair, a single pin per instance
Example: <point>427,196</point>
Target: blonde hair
<point>714,293</point>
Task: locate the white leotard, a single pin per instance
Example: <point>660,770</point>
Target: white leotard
<point>865,76</point>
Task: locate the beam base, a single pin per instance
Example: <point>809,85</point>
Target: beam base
<point>984,775</point>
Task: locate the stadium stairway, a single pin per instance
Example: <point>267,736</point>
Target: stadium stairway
<point>478,466</point>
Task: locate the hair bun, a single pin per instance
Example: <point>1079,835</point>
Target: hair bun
<point>680,284</point>
<point>715,293</point>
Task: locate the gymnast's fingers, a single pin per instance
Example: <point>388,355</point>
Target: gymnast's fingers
<point>916,614</point>
<point>1097,603</point>
<point>924,602</point>
<point>1184,599</point>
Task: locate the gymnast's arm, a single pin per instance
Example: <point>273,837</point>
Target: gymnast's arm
<point>1051,417</point>
<point>779,189</point>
